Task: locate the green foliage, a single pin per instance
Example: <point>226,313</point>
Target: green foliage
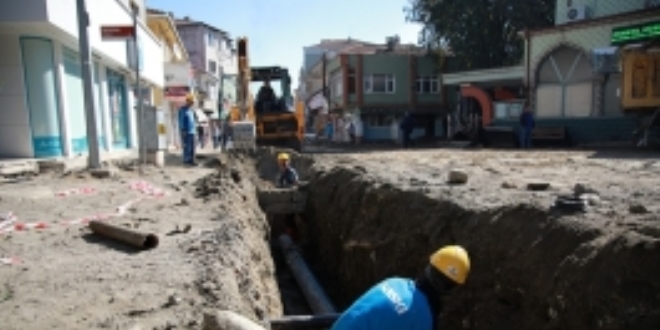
<point>479,33</point>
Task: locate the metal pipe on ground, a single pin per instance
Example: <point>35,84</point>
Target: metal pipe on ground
<point>134,238</point>
<point>304,322</point>
<point>316,297</point>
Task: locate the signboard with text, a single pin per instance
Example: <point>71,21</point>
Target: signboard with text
<point>636,33</point>
<point>117,31</point>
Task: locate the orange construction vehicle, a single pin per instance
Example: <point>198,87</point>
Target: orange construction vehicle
<point>277,121</point>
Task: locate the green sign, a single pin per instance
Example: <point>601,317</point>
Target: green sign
<point>636,33</point>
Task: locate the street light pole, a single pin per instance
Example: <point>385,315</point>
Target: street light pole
<point>142,148</point>
<point>93,159</point>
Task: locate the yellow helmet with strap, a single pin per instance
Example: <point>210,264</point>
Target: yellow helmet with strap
<point>452,261</point>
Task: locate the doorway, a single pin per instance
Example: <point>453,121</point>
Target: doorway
<point>118,97</point>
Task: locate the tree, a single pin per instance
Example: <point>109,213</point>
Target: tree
<point>479,33</point>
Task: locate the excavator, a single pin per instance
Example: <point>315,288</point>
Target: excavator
<point>269,120</point>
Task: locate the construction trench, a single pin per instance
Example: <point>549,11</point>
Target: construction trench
<point>531,268</point>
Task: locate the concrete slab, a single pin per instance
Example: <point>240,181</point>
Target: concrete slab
<point>18,167</point>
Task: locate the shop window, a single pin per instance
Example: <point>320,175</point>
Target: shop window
<point>42,97</point>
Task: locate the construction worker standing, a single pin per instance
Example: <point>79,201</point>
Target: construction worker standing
<point>400,303</point>
<point>288,177</point>
<point>188,126</point>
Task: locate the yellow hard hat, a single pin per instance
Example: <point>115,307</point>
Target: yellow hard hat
<point>190,98</point>
<point>453,262</point>
<point>283,156</point>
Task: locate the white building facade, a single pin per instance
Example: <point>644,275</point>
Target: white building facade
<point>41,89</point>
<point>214,64</point>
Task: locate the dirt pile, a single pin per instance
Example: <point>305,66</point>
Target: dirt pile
<point>213,252</point>
<point>533,268</point>
<point>237,271</point>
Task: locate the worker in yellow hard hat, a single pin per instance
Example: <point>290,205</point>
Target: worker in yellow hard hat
<point>400,303</point>
<point>188,128</point>
<point>288,177</point>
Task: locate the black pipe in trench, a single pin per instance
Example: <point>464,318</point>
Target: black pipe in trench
<point>313,292</point>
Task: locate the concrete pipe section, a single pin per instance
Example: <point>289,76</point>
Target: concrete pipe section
<point>144,241</point>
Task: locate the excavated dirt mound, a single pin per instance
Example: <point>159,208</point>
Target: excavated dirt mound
<point>533,267</point>
<point>237,271</point>
<point>213,252</point>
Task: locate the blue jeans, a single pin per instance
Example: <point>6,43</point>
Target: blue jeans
<point>525,137</point>
<point>188,147</point>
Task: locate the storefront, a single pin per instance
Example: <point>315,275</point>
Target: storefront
<point>41,83</point>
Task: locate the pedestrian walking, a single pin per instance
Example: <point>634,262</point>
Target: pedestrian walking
<point>226,131</point>
<point>351,131</point>
<point>201,134</point>
<point>527,124</point>
<point>187,127</point>
<point>407,125</point>
<point>329,131</point>
<point>216,127</point>
<point>400,303</point>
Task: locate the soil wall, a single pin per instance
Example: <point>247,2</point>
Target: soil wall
<point>531,268</point>
<point>236,269</point>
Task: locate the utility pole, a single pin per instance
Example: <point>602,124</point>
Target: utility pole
<point>142,148</point>
<point>93,158</point>
<point>325,83</point>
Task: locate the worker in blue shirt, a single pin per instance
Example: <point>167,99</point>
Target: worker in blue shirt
<point>400,303</point>
<point>288,177</point>
<point>527,124</point>
<point>188,127</point>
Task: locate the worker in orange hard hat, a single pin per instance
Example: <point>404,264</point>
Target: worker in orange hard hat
<point>188,128</point>
<point>288,176</point>
<point>399,303</point>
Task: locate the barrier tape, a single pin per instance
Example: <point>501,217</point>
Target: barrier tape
<point>147,189</point>
<point>10,224</point>
<point>7,220</point>
<point>9,261</point>
<point>75,191</point>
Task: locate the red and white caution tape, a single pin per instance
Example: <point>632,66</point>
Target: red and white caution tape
<point>147,189</point>
<point>9,261</point>
<point>8,220</point>
<point>76,191</point>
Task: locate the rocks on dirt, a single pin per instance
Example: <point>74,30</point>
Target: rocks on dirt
<point>508,185</point>
<point>580,189</point>
<point>103,173</point>
<point>228,320</point>
<point>457,176</point>
<point>538,186</point>
<point>637,209</point>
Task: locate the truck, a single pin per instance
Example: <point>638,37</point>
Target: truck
<point>278,122</point>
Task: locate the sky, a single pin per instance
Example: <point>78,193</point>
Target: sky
<point>279,29</point>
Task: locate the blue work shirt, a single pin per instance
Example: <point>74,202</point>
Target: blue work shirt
<point>394,304</point>
<point>527,120</point>
<point>288,177</point>
<point>187,122</point>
